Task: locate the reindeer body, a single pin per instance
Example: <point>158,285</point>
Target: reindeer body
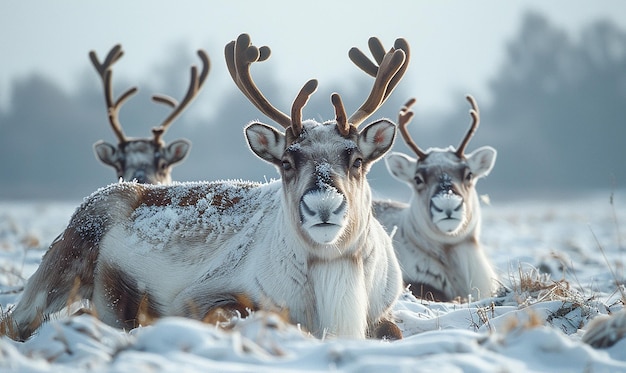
<point>141,251</point>
<point>438,263</point>
<point>437,235</point>
<point>307,245</point>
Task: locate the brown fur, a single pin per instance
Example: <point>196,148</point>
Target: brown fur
<point>387,329</point>
<point>161,197</point>
<point>427,292</point>
<point>133,306</point>
<point>241,306</point>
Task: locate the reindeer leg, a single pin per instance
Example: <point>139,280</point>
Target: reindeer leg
<point>387,329</point>
<point>64,276</point>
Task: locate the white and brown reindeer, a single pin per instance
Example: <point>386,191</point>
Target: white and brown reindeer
<point>147,160</point>
<point>306,245</point>
<point>436,235</point>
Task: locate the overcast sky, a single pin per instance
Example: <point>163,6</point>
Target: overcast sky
<point>456,45</point>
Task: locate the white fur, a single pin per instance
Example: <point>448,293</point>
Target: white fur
<point>341,298</point>
<point>437,233</point>
<point>323,215</point>
<point>447,212</point>
<point>182,246</point>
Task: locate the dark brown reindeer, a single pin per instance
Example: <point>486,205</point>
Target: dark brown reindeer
<point>306,246</point>
<point>146,160</point>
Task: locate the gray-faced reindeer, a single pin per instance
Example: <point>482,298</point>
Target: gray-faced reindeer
<point>436,236</point>
<point>306,245</point>
<point>147,160</point>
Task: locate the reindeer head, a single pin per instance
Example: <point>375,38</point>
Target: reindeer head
<point>443,180</point>
<point>146,160</point>
<point>322,165</point>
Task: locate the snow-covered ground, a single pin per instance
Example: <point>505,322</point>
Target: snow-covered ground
<point>558,260</point>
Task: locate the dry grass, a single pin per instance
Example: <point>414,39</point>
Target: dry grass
<point>8,327</point>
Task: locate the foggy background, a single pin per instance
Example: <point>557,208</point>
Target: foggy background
<point>554,107</point>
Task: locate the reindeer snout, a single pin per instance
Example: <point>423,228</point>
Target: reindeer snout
<point>322,214</point>
<point>140,176</point>
<point>447,210</point>
<point>447,203</point>
<point>323,204</point>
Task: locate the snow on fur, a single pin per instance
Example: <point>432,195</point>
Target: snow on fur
<point>555,284</point>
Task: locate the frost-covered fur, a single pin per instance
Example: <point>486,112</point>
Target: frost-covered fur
<point>306,246</point>
<point>437,234</point>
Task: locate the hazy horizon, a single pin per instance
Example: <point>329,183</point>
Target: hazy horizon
<point>552,104</point>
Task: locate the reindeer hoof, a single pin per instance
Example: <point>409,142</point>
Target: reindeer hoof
<point>386,329</point>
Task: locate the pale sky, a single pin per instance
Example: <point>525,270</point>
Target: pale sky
<point>456,44</point>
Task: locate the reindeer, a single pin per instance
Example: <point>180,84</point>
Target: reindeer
<point>437,234</point>
<point>147,160</point>
<point>306,245</point>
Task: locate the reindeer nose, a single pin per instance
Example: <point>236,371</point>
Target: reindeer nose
<point>324,203</point>
<point>323,171</point>
<point>445,184</point>
<point>140,176</point>
<point>447,203</point>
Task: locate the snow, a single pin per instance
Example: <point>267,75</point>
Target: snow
<point>558,262</point>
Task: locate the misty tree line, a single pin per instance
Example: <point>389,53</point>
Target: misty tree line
<point>558,121</point>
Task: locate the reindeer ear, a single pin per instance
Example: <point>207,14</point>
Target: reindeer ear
<point>106,152</point>
<point>481,161</point>
<point>376,139</point>
<point>401,166</point>
<point>176,151</point>
<point>266,142</point>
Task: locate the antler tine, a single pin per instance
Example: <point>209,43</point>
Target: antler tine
<point>378,51</point>
<point>340,115</point>
<point>114,54</point>
<point>195,85</point>
<point>240,55</point>
<point>403,45</point>
<point>296,109</point>
<point>363,62</point>
<point>106,74</point>
<point>404,118</point>
<point>474,112</point>
<point>389,67</point>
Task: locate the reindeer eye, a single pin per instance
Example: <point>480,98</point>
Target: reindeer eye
<point>287,165</point>
<point>469,176</point>
<point>357,163</point>
<point>419,180</point>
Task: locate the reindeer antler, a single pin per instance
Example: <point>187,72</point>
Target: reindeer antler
<point>404,118</point>
<point>474,112</point>
<point>391,68</point>
<point>240,55</point>
<point>106,73</point>
<point>301,100</point>
<point>195,85</point>
<point>340,115</point>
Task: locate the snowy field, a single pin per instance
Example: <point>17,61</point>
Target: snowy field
<point>558,262</point>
